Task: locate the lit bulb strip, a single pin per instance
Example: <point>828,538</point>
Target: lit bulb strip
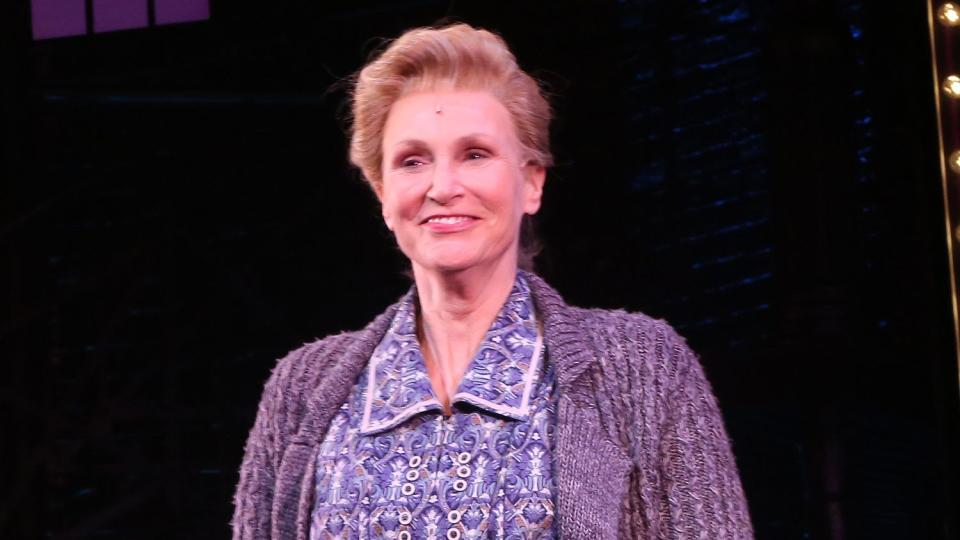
<point>944,180</point>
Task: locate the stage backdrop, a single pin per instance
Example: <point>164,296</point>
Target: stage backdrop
<point>178,213</point>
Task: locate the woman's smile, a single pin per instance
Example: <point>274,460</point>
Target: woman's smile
<point>444,224</point>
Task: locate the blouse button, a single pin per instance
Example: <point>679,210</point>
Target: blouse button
<point>408,489</point>
<point>453,534</point>
<point>404,535</point>
<point>413,475</point>
<point>453,516</point>
<point>405,519</point>
<point>463,458</point>
<point>459,484</point>
<point>463,471</point>
<point>415,461</point>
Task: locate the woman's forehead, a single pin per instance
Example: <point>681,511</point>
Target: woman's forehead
<point>447,114</point>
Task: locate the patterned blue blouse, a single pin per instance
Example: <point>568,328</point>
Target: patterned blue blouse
<point>392,466</point>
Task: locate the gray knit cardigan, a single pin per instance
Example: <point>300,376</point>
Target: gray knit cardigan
<point>640,447</point>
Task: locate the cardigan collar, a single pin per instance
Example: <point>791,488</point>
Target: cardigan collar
<point>500,378</point>
<point>563,333</point>
<point>578,427</point>
<point>562,336</point>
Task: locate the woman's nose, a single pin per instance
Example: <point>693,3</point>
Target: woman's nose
<point>445,184</point>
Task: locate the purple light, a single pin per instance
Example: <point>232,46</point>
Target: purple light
<point>58,18</point>
<point>178,11</point>
<point>111,15</point>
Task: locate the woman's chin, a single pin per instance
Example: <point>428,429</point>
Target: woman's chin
<point>451,262</point>
<point>458,258</point>
<point>449,266</point>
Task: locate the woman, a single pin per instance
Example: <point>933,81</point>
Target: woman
<point>480,405</point>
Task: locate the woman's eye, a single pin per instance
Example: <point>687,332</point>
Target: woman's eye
<point>411,162</point>
<point>476,154</point>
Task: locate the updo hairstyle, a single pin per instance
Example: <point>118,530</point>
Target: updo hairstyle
<point>454,57</point>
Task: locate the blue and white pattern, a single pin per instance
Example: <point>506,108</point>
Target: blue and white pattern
<point>393,466</point>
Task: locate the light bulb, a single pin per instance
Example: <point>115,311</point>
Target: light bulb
<point>951,86</point>
<point>954,161</point>
<point>949,14</point>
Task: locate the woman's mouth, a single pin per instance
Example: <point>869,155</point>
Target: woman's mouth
<point>448,219</point>
<point>445,224</point>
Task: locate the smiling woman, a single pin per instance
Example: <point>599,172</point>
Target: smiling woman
<point>455,187</point>
<point>480,405</point>
<point>456,183</point>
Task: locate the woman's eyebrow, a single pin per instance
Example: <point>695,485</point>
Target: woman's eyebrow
<point>408,144</point>
<point>474,137</point>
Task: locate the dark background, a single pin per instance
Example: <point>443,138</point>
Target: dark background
<point>178,212</point>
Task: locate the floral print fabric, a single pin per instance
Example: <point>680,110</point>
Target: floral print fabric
<point>391,465</point>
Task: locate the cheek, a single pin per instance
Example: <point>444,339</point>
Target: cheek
<point>518,201</point>
<point>399,202</point>
<point>406,205</point>
<point>502,191</point>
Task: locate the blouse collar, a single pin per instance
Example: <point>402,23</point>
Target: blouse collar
<point>500,379</point>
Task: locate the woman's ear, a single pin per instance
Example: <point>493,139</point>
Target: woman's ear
<point>378,191</point>
<point>377,188</point>
<point>386,218</point>
<point>534,178</point>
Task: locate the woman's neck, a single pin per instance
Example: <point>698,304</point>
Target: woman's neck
<point>455,311</point>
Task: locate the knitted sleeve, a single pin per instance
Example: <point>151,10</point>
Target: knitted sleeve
<point>281,407</point>
<point>254,496</point>
<point>704,497</point>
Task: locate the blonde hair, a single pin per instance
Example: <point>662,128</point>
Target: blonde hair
<point>459,57</point>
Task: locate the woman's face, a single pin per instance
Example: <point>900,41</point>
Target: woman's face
<point>456,182</point>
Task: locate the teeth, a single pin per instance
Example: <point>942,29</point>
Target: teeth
<point>447,219</point>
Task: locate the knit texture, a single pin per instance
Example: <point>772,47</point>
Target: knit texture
<point>640,450</point>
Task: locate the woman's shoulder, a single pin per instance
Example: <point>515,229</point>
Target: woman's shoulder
<point>306,364</point>
<point>310,375</point>
<point>621,324</point>
<point>295,374</point>
<point>311,357</point>
<point>631,342</point>
<point>623,319</point>
<point>621,343</point>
